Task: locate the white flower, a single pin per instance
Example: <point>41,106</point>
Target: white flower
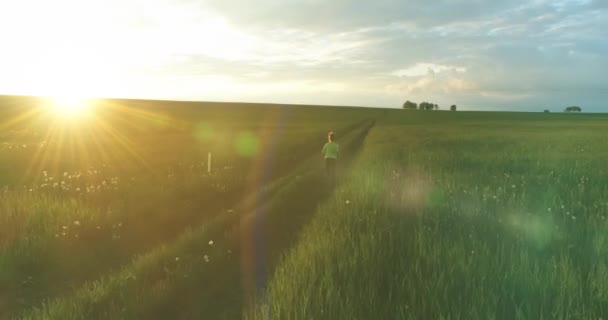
<point>176,258</point>
<point>210,242</point>
<point>347,202</point>
<point>206,258</point>
<point>76,223</point>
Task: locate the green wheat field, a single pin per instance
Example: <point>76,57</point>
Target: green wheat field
<point>436,214</point>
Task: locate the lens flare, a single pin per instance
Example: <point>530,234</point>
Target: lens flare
<point>70,107</point>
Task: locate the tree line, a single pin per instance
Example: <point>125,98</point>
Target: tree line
<point>424,106</point>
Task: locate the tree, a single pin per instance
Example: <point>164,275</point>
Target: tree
<point>436,107</point>
<point>453,107</point>
<point>426,106</point>
<point>547,111</point>
<point>573,109</point>
<point>409,105</point>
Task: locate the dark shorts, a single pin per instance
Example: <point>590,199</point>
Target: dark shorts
<point>330,166</point>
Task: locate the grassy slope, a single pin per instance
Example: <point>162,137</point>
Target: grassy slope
<point>52,240</point>
<point>459,216</point>
<point>176,281</point>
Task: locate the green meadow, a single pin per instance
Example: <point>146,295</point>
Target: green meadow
<point>436,214</point>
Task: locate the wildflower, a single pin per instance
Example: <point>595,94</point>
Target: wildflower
<point>210,242</point>
<point>176,258</point>
<point>573,217</point>
<point>64,227</point>
<point>549,209</point>
<point>76,223</point>
<point>65,174</point>
<point>206,258</point>
<point>347,201</point>
<point>77,189</point>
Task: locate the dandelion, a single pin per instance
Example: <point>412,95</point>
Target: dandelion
<point>347,202</point>
<point>210,242</point>
<point>64,227</point>
<point>206,258</point>
<point>176,258</point>
<point>77,189</point>
<point>65,174</point>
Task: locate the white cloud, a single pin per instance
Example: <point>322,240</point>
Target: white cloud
<point>422,69</point>
<point>488,52</point>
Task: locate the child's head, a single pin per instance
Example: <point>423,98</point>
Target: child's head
<point>331,136</point>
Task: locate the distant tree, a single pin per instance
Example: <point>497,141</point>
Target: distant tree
<point>573,109</point>
<point>453,107</point>
<point>547,111</point>
<point>436,107</point>
<point>410,105</point>
<point>426,106</point>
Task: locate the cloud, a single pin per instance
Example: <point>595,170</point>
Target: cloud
<point>421,69</point>
<point>475,53</point>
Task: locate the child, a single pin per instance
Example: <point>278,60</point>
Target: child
<point>330,153</point>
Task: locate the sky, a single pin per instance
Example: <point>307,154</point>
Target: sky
<point>519,55</point>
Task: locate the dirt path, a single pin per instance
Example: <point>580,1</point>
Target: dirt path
<point>257,243</point>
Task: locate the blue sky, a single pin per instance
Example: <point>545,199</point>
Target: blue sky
<point>480,55</point>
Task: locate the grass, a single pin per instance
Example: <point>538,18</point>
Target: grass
<point>463,220</point>
<point>438,215</point>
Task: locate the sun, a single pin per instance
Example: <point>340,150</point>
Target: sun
<point>70,106</point>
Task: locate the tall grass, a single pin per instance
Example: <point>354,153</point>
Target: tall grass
<point>441,222</point>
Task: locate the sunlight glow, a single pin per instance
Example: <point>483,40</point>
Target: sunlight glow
<point>70,107</point>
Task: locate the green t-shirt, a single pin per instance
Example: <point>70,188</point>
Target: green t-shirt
<point>331,150</point>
